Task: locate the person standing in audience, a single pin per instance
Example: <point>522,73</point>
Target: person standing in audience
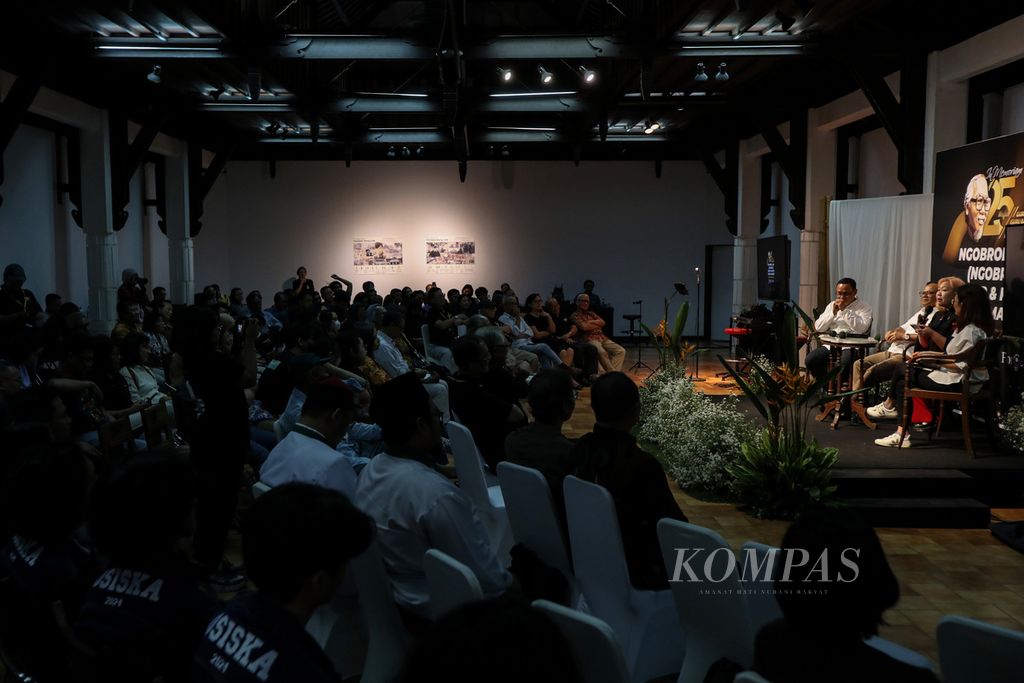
<point>609,456</point>
<point>488,416</point>
<point>836,607</point>
<point>415,507</point>
<point>931,337</point>
<point>302,284</point>
<point>846,314</point>
<point>609,354</point>
<point>145,613</point>
<point>133,289</point>
<point>595,301</point>
<point>308,452</point>
<point>973,324</point>
<point>296,543</point>
<point>18,306</point>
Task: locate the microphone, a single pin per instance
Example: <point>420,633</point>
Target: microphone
<point>697,272</point>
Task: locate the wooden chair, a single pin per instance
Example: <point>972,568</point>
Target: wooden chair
<point>156,426</point>
<point>117,441</point>
<point>980,356</point>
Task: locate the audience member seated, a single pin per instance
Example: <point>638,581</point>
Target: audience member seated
<point>133,289</point>
<point>415,507</point>
<point>354,358</point>
<point>609,456</point>
<point>276,383</point>
<point>47,566</point>
<point>144,383</point>
<point>304,369</point>
<point>501,378</point>
<point>932,337</point>
<point>543,327</point>
<point>443,328</point>
<point>277,315</point>
<point>237,307</point>
<point>520,361</point>
<point>831,607</point>
<point>145,613</point>
<point>308,453</point>
<point>155,328</point>
<point>504,641</point>
<point>973,323</point>
<point>609,354</point>
<point>129,319</point>
<point>489,417</point>
<point>880,367</point>
<point>584,353</point>
<point>296,542</point>
<point>847,314</point>
<point>521,334</point>
<point>18,306</point>
<point>393,355</point>
<point>541,444</point>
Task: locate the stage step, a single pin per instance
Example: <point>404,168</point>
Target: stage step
<point>903,483</point>
<point>920,513</point>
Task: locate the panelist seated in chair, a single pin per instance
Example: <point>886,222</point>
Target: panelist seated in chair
<point>974,323</point>
<point>846,314</point>
<point>932,337</point>
<point>881,366</point>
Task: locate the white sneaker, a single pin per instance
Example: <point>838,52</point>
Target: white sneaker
<point>880,412</point>
<point>893,441</point>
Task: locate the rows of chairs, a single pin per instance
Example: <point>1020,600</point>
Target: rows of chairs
<point>117,439</point>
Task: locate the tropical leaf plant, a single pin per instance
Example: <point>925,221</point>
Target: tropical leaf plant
<point>670,344</point>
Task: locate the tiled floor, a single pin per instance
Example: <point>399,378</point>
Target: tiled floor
<point>941,571</point>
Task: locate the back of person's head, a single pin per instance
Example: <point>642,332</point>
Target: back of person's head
<point>296,530</point>
<point>469,350</point>
<point>41,407</point>
<point>141,509</point>
<point>150,320</point>
<point>303,367</point>
<point>46,494</point>
<point>103,353</point>
<point>397,407</point>
<point>503,641</point>
<point>477,322</point>
<point>844,594</point>
<point>393,318</point>
<point>975,307</point>
<point>326,396</point>
<point>550,396</point>
<point>51,299</point>
<point>614,397</point>
<point>296,333</point>
<point>350,348</point>
<point>491,336</point>
<point>131,349</point>
<point>193,335</point>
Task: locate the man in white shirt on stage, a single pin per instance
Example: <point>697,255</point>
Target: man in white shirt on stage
<point>879,367</point>
<point>308,453</point>
<point>846,314</point>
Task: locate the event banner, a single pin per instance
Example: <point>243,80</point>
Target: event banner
<point>978,194</point>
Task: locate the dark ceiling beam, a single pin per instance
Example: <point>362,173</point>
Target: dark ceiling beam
<point>727,179</point>
<point>13,111</point>
<point>677,21</point>
<point>339,12</point>
<point>792,157</point>
<point>723,13</point>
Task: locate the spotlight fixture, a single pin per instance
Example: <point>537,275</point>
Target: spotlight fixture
<point>505,151</point>
<point>273,127</point>
<point>215,94</point>
<point>506,74</point>
<point>654,125</point>
<point>420,151</point>
<point>391,153</point>
<point>154,75</point>
<point>546,77</point>
<point>588,75</point>
<point>406,152</point>
<point>702,74</point>
<point>722,74</point>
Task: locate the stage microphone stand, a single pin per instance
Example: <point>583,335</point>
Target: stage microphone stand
<point>637,337</point>
<point>695,377</point>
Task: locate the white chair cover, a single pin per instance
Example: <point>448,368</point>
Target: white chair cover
<point>971,651</point>
<point>450,582</point>
<point>388,639</point>
<point>488,499</point>
<point>595,646</point>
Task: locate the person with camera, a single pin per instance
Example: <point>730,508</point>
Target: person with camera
<point>133,288</point>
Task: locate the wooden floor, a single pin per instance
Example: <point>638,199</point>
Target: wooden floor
<point>941,571</point>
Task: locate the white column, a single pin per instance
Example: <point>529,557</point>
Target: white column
<point>821,174</point>
<point>179,241</point>
<point>945,117</point>
<point>101,242</point>
<point>748,217</point>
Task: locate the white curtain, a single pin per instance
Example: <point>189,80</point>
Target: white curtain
<point>885,245</point>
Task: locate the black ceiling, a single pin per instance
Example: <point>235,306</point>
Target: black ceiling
<point>367,78</point>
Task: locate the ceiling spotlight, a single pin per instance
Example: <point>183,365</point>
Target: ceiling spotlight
<point>786,21</point>
<point>273,127</point>
<point>506,74</point>
<point>722,74</point>
<point>702,74</point>
<point>391,153</point>
<point>654,125</point>
<point>504,151</point>
<point>588,75</point>
<point>154,75</point>
<point>406,152</point>
<point>546,77</point>
<point>420,151</point>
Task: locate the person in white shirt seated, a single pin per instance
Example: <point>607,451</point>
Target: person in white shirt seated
<point>881,366</point>
<point>303,370</point>
<point>974,323</point>
<point>391,359</point>
<point>308,453</point>
<point>848,315</point>
<point>415,507</point>
<point>521,334</point>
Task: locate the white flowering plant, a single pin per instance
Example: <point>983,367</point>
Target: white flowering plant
<point>1013,426</point>
<point>698,437</point>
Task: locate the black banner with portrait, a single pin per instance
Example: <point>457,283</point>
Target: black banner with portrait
<point>979,192</point>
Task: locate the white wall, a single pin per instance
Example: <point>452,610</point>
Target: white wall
<point>27,214</point>
<point>536,224</point>
<point>1013,110</point>
<point>879,160</point>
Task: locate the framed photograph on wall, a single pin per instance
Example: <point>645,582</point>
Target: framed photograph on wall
<point>450,255</point>
<point>377,255</point>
